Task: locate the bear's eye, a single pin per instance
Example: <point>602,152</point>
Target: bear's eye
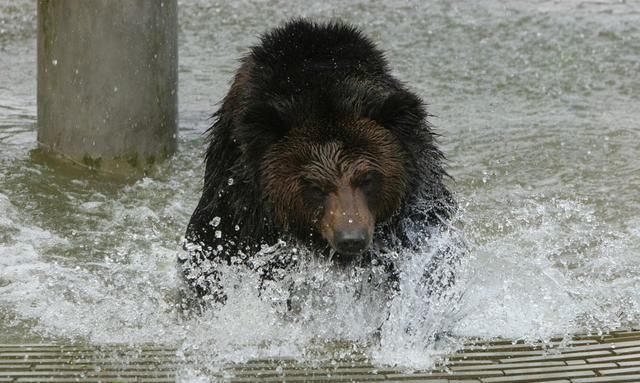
<point>369,182</point>
<point>314,193</point>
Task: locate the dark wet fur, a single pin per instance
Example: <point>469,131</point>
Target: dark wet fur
<point>317,76</point>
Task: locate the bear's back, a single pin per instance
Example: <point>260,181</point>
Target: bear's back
<point>304,56</point>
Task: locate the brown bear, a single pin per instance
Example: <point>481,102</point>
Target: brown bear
<point>316,142</point>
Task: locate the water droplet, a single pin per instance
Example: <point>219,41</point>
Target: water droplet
<point>218,234</point>
<point>230,181</point>
<point>237,228</point>
<point>54,62</point>
<point>350,221</point>
<point>115,88</point>
<point>215,221</point>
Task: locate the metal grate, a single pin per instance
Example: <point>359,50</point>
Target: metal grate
<point>614,357</point>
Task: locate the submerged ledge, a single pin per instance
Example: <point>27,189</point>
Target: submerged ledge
<point>612,357</point>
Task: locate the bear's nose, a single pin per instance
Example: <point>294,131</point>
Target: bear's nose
<point>351,241</point>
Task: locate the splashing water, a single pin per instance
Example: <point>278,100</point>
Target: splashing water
<point>314,303</point>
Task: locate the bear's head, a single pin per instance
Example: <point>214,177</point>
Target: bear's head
<point>334,164</point>
<point>333,177</point>
<point>336,181</point>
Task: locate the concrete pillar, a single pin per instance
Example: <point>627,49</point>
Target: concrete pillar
<point>107,81</point>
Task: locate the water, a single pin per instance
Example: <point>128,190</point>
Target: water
<point>538,104</point>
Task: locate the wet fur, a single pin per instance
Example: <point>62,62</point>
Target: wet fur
<point>308,98</point>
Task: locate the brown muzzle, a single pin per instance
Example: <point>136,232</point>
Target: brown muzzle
<point>347,223</point>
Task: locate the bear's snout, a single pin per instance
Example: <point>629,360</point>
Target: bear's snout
<point>347,224</point>
<point>352,240</point>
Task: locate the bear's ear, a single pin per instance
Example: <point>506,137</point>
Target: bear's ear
<point>262,125</point>
<point>267,118</point>
<point>401,112</point>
